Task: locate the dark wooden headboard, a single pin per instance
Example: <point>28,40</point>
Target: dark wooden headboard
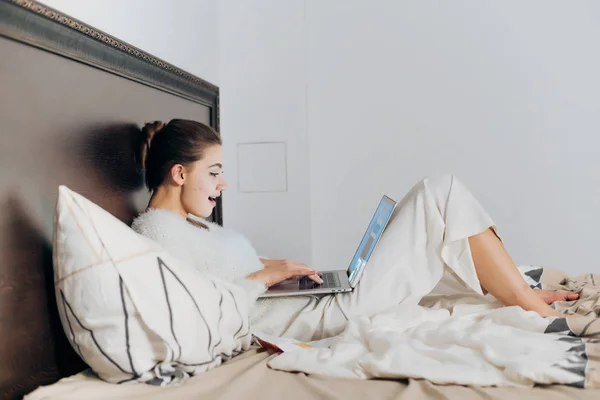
<point>71,100</point>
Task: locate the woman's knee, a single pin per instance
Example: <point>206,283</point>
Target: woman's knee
<point>439,182</point>
<point>439,186</point>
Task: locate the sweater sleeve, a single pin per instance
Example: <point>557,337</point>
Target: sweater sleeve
<point>251,287</point>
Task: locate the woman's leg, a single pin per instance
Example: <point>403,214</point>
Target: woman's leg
<point>427,232</point>
<point>439,224</point>
<point>499,275</point>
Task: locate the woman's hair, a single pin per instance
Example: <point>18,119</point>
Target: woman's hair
<point>180,141</point>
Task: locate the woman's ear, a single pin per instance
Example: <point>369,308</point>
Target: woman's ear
<point>178,174</point>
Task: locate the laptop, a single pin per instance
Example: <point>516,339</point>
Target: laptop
<point>344,280</point>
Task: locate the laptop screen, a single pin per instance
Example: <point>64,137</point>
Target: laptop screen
<point>371,237</point>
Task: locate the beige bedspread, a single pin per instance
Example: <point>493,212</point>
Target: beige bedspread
<point>248,377</point>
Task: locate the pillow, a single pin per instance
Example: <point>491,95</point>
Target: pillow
<point>131,310</point>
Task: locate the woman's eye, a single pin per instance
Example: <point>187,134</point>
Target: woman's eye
<point>214,174</point>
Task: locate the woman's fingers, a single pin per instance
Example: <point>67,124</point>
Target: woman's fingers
<point>302,267</point>
<point>316,278</point>
<point>312,274</point>
<point>295,270</point>
<point>301,272</point>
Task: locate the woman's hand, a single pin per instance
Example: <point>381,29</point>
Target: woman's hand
<point>293,265</point>
<point>277,271</point>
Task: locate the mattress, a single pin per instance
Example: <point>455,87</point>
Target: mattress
<point>248,376</point>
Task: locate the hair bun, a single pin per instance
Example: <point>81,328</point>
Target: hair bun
<point>148,131</point>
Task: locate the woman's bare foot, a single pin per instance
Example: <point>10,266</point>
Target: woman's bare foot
<point>550,297</point>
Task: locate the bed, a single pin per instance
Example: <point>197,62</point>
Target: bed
<point>72,98</point>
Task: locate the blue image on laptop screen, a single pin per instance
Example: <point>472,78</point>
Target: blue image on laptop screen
<point>367,244</point>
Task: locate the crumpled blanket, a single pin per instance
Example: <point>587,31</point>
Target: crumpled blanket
<point>487,347</point>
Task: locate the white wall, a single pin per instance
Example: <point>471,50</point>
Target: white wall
<point>503,94</point>
<point>255,52</point>
<point>181,32</point>
<point>263,99</point>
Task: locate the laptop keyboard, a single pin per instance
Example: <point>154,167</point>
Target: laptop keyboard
<point>330,280</point>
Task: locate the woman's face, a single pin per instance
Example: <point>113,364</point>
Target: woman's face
<point>203,183</point>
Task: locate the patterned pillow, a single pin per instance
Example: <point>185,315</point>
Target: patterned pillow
<point>132,311</point>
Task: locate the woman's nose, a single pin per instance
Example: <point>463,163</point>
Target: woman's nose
<point>222,185</point>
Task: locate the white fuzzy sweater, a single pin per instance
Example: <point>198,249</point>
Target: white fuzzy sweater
<point>223,253</point>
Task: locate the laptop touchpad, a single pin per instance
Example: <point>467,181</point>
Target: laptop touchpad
<point>286,285</point>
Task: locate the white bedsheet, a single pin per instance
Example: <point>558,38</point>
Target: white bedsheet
<point>504,346</point>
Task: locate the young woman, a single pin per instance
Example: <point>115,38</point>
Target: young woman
<point>439,235</point>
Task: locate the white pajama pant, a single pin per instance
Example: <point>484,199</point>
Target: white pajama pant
<point>426,239</point>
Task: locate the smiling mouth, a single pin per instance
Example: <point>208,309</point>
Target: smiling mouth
<point>213,200</point>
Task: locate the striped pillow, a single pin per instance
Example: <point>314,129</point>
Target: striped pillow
<point>132,311</point>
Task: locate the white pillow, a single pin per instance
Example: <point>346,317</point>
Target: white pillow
<point>132,311</point>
